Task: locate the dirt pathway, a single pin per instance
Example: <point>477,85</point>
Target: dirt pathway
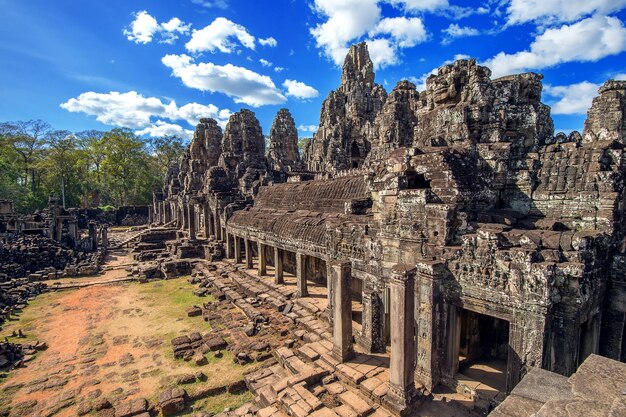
<point>106,341</point>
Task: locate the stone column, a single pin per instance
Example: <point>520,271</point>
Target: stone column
<point>105,236</point>
<point>211,225</point>
<point>237,250</point>
<point>372,325</point>
<point>342,311</point>
<point>301,275</point>
<point>229,246</point>
<point>262,260</point>
<point>150,214</point>
<point>184,207</point>
<point>93,235</point>
<point>191,221</point>
<point>278,266</point>
<point>58,229</point>
<point>73,230</point>
<point>249,260</point>
<point>207,221</point>
<point>401,368</point>
<point>429,319</point>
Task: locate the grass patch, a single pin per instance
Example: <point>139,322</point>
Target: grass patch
<point>29,319</point>
<point>218,403</point>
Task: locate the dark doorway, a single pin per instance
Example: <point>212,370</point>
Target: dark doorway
<point>355,155</point>
<point>483,349</point>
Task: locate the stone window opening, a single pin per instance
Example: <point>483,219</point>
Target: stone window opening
<point>415,181</point>
<point>355,155</point>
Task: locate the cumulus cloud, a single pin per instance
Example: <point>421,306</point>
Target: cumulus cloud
<point>161,128</point>
<point>220,35</point>
<point>278,69</point>
<point>347,21</point>
<point>271,42</point>
<point>419,5</point>
<point>620,77</point>
<point>135,111</point>
<point>145,27</point>
<point>455,31</point>
<point>265,62</point>
<point>243,85</point>
<point>299,89</point>
<point>571,99</point>
<point>308,128</point>
<point>590,39</point>
<point>405,32</point>
<point>552,11</point>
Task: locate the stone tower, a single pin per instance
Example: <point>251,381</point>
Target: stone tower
<point>344,137</point>
<point>282,154</point>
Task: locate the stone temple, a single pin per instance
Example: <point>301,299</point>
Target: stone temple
<point>444,229</point>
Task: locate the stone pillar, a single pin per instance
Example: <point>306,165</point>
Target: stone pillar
<point>262,260</point>
<point>401,393</point>
<point>150,214</point>
<point>93,235</point>
<point>229,246</point>
<point>342,311</point>
<point>191,221</point>
<point>372,324</point>
<point>211,225</point>
<point>301,275</point>
<point>429,322</point>
<point>249,259</point>
<point>207,228</point>
<point>278,266</point>
<point>237,250</point>
<point>105,236</point>
<point>73,230</point>
<point>58,229</point>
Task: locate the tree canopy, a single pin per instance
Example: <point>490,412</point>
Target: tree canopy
<point>85,169</point>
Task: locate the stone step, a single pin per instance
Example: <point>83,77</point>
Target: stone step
<point>357,402</point>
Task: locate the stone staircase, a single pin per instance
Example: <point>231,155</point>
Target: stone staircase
<point>304,380</point>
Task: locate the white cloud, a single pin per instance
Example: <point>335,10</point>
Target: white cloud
<point>135,111</point>
<point>620,77</point>
<point>278,69</point>
<point>243,85</point>
<point>218,36</point>
<point>265,62</point>
<point>145,27</point>
<point>406,32</point>
<point>590,39</point>
<point>271,42</point>
<point>552,11</point>
<point>299,89</point>
<point>172,28</point>
<point>308,128</point>
<point>161,128</point>
<point>382,52</point>
<point>210,4</point>
<point>347,21</point>
<point>572,99</point>
<point>419,5</point>
<point>455,31</point>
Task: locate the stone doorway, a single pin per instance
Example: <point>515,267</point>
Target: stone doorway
<point>483,348</point>
<point>356,293</point>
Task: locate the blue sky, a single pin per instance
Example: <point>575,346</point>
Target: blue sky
<point>156,67</point>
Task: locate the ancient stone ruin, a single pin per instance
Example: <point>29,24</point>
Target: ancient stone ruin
<point>432,234</point>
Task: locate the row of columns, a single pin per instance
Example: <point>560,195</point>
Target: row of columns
<point>402,363</point>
